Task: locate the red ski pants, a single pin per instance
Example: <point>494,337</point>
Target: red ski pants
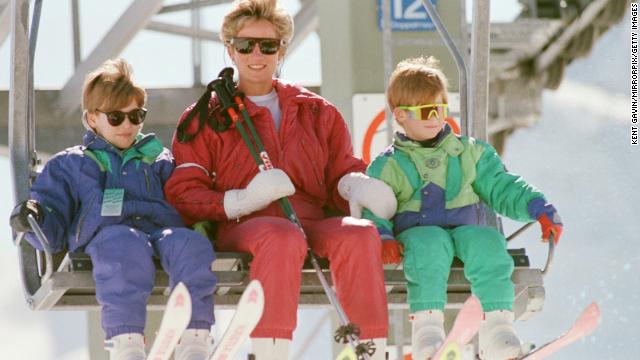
<point>353,248</point>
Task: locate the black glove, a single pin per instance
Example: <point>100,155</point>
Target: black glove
<point>18,219</point>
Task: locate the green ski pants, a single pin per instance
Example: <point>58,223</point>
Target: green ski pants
<point>429,251</point>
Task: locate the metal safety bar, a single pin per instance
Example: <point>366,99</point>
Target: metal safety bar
<point>42,238</point>
<point>550,252</point>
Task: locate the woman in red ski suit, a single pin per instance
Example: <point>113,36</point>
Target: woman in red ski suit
<point>309,145</point>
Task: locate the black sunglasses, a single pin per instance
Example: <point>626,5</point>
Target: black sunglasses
<point>116,118</point>
<point>244,45</point>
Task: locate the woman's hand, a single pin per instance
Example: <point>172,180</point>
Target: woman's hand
<point>361,191</point>
<point>265,188</point>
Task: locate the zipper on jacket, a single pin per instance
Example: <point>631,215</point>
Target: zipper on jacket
<point>82,218</point>
<point>146,179</point>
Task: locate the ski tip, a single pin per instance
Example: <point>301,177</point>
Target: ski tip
<point>180,287</point>
<point>472,303</point>
<point>255,283</point>
<point>590,317</point>
<point>180,297</point>
<point>347,354</point>
<point>594,309</point>
<point>254,293</point>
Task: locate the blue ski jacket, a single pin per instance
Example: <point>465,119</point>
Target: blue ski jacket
<point>72,185</point>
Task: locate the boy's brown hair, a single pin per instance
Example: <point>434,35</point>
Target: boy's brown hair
<point>111,87</point>
<point>416,81</point>
<point>244,11</point>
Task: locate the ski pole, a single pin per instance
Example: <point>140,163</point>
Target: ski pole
<point>231,100</point>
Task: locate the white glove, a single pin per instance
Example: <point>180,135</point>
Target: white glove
<point>361,191</point>
<point>265,188</point>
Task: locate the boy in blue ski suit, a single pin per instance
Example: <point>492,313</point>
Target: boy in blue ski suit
<point>106,198</point>
<point>441,181</point>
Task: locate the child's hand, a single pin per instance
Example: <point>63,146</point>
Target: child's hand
<point>551,224</point>
<point>18,218</point>
<point>548,218</point>
<point>391,251</point>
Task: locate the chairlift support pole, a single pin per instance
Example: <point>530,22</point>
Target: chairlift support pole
<point>465,119</point>
<point>479,91</point>
<point>387,60</point>
<point>196,46</point>
<point>21,146</point>
<point>75,26</point>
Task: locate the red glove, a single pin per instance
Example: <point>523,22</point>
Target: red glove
<point>551,224</point>
<point>391,251</point>
<point>548,218</point>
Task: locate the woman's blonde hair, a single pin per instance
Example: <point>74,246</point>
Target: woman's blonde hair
<point>111,87</point>
<point>416,81</point>
<point>244,11</point>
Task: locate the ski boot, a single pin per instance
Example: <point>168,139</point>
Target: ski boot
<point>427,333</point>
<point>193,345</point>
<point>497,337</point>
<point>128,346</point>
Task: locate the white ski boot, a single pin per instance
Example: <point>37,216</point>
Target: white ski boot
<point>129,346</point>
<point>427,333</point>
<point>497,337</point>
<point>193,345</point>
<point>270,348</point>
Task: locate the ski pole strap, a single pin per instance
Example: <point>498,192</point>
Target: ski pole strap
<point>201,109</point>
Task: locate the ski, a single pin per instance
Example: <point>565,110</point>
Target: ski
<point>464,329</point>
<point>583,326</point>
<point>174,321</point>
<point>347,354</point>
<point>248,313</point>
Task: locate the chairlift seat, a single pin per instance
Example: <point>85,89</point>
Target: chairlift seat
<point>71,287</point>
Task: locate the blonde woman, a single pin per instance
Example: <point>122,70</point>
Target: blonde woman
<point>308,141</point>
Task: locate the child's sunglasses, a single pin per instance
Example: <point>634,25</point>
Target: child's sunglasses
<point>425,112</point>
<point>244,45</point>
<point>115,118</point>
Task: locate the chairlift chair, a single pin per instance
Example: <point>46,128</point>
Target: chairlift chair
<point>64,281</point>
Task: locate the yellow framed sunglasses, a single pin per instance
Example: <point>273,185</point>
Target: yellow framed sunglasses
<point>425,112</point>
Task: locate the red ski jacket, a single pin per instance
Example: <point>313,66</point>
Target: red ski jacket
<point>312,146</point>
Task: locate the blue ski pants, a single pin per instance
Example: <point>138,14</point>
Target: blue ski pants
<point>124,274</point>
<point>429,251</point>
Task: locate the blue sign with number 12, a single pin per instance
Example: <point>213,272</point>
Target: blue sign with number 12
<point>407,15</point>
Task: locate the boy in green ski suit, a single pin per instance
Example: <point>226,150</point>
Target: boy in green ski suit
<point>442,182</point>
